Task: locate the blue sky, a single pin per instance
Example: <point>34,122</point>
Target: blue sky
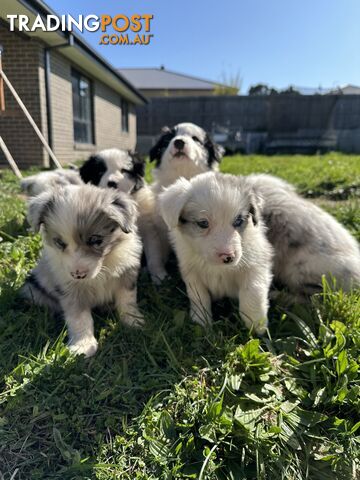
<point>279,42</point>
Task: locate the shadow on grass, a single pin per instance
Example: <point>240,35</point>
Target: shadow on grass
<point>58,410</point>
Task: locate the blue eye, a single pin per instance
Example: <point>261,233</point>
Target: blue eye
<point>59,243</point>
<point>238,221</point>
<point>95,241</point>
<point>203,224</point>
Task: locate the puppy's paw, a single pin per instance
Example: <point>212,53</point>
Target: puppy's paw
<point>260,328</point>
<point>133,318</point>
<point>83,346</point>
<point>204,319</point>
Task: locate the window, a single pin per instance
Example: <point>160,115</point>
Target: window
<point>124,115</point>
<point>82,108</point>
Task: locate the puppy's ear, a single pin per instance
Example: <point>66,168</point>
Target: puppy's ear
<point>156,151</point>
<point>26,185</point>
<point>172,201</point>
<point>93,170</point>
<point>138,164</point>
<point>255,208</point>
<point>215,151</point>
<point>160,146</point>
<point>123,211</point>
<point>39,206</point>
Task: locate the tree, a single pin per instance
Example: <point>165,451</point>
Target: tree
<point>261,89</point>
<point>230,84</point>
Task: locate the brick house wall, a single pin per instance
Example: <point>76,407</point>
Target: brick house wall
<point>23,62</point>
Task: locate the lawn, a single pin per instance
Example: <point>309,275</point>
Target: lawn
<point>173,401</point>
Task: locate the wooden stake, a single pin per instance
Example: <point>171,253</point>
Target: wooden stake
<point>9,158</point>
<point>29,117</point>
<point>2,96</point>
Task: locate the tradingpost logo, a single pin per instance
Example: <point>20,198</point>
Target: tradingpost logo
<point>116,30</point>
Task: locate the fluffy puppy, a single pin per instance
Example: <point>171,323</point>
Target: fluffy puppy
<point>91,257</point>
<point>46,181</point>
<point>221,245</point>
<point>114,168</point>
<point>308,242</point>
<point>183,151</point>
<point>119,169</point>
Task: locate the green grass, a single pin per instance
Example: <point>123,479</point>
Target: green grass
<point>173,401</point>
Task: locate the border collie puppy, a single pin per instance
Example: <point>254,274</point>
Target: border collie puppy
<point>221,245</point>
<point>114,168</point>
<point>45,181</point>
<point>308,242</point>
<point>183,151</point>
<point>91,257</point>
<point>124,171</point>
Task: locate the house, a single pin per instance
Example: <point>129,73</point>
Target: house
<point>159,82</point>
<point>347,89</point>
<point>78,100</point>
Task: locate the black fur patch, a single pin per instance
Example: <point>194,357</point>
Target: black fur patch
<point>214,150</point>
<point>137,171</point>
<point>161,145</point>
<point>253,213</point>
<point>93,170</point>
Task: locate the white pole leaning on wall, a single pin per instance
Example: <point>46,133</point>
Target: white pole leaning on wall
<point>10,159</point>
<point>29,117</point>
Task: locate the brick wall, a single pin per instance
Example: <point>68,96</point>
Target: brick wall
<point>23,62</point>
<point>106,110</point>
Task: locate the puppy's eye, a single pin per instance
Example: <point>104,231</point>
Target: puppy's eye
<point>59,243</point>
<point>203,224</point>
<point>95,241</point>
<point>238,221</point>
<point>196,139</point>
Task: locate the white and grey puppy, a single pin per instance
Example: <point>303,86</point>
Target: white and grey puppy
<point>308,242</point>
<point>122,170</point>
<point>184,150</point>
<point>46,181</point>
<point>221,245</point>
<point>91,257</point>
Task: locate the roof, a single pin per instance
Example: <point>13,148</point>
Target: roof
<point>161,79</point>
<point>80,52</point>
<point>347,89</point>
<point>341,89</point>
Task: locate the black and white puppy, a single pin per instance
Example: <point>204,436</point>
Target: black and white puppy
<point>124,171</point>
<point>184,150</point>
<point>91,257</point>
<point>114,168</point>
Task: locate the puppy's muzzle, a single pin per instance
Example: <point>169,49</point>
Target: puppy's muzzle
<point>227,257</point>
<point>79,274</point>
<point>179,144</point>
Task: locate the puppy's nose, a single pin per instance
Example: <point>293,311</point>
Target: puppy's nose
<point>112,184</point>
<point>79,274</point>
<point>179,144</point>
<point>227,257</point>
